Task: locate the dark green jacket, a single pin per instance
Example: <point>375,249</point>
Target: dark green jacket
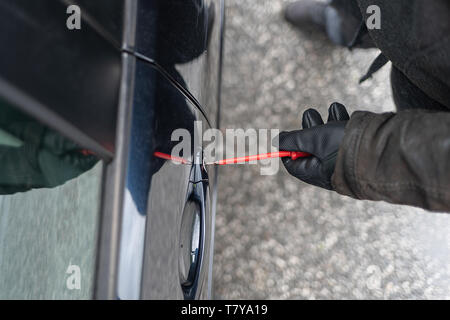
<point>33,156</point>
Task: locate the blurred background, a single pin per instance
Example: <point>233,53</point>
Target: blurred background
<point>278,238</point>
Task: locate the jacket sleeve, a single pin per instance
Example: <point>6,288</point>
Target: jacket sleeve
<point>401,158</point>
<point>19,170</point>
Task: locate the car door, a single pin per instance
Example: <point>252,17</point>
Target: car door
<point>174,216</point>
<point>163,199</point>
<point>59,96</point>
<point>117,89</point>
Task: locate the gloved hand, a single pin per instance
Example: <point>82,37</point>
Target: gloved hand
<point>319,139</point>
<point>61,160</point>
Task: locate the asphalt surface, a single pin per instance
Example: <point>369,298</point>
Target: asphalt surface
<point>278,238</point>
<point>43,232</point>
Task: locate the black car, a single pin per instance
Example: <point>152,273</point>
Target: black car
<point>89,91</point>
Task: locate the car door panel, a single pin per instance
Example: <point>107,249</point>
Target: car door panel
<point>119,87</point>
<point>164,104</point>
<point>156,190</point>
<point>68,79</point>
<point>104,16</point>
<point>184,37</point>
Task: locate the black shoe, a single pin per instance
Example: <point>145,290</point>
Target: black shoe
<point>338,23</point>
<point>307,14</point>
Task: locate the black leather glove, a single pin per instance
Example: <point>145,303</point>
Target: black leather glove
<point>319,139</point>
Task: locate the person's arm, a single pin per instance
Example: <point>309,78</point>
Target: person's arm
<point>401,158</point>
<point>20,170</point>
<point>45,160</point>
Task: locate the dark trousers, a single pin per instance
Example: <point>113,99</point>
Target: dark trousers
<point>406,94</point>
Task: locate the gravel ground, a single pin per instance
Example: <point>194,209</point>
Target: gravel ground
<point>278,238</point>
<point>43,232</point>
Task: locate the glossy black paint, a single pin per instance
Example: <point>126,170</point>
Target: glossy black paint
<point>184,38</point>
<point>105,16</point>
<point>172,32</point>
<point>158,109</point>
<point>137,70</point>
<point>170,36</point>
<point>72,78</point>
<point>159,191</point>
<point>198,195</point>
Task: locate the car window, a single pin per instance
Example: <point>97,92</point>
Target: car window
<point>49,211</point>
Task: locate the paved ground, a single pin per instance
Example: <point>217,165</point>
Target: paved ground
<point>43,232</point>
<point>278,238</point>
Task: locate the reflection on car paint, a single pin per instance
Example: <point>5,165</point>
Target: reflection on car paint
<point>49,207</point>
<point>130,270</point>
<point>34,156</point>
<point>172,35</point>
<point>186,44</point>
<point>159,109</point>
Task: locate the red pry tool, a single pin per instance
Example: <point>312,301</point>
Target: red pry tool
<point>279,154</point>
